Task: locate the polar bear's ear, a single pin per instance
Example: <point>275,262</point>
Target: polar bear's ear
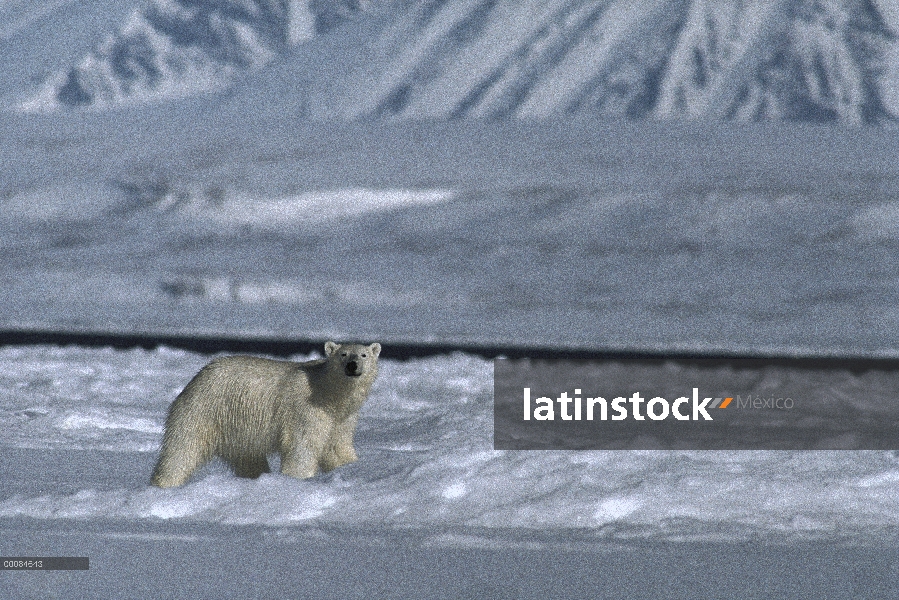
<point>375,349</point>
<point>331,348</point>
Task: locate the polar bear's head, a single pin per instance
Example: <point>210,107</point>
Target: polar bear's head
<point>354,360</point>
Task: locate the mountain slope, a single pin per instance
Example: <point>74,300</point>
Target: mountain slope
<point>804,60</point>
<point>174,48</point>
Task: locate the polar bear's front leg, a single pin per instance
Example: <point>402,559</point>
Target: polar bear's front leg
<point>300,453</point>
<point>339,450</point>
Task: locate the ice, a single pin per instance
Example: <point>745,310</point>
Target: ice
<point>105,400</point>
<point>878,223</point>
<point>615,508</point>
<point>427,461</point>
<point>249,214</point>
<point>713,270</point>
<point>311,208</point>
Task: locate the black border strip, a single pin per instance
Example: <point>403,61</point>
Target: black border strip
<point>408,350</point>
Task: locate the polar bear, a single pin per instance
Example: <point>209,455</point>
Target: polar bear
<point>242,408</point>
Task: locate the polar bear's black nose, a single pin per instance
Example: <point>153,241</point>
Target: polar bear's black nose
<point>352,367</point>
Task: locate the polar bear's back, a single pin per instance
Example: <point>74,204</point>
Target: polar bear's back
<point>238,399</point>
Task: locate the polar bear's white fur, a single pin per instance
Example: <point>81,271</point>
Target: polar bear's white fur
<point>242,408</point>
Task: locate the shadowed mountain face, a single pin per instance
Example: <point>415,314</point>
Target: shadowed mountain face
<point>800,60</point>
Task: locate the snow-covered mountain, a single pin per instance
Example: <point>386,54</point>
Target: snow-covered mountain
<point>804,60</point>
<point>172,48</point>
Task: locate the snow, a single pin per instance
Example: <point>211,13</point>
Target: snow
<point>249,214</point>
<point>592,235</point>
<point>301,22</point>
<point>306,208</point>
<point>773,60</point>
<point>427,461</point>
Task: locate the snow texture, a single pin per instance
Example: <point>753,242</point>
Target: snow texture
<point>798,60</point>
<point>740,239</point>
<point>427,463</point>
<point>456,172</point>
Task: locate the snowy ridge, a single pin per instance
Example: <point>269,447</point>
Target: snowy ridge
<point>832,61</point>
<point>171,49</point>
<point>782,59</point>
<point>796,60</point>
<point>175,48</point>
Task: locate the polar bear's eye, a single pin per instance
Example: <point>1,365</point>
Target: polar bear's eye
<point>363,356</point>
<point>343,354</point>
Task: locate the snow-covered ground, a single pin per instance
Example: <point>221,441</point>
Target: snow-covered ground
<point>658,238</point>
<point>427,463</point>
<point>339,185</point>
